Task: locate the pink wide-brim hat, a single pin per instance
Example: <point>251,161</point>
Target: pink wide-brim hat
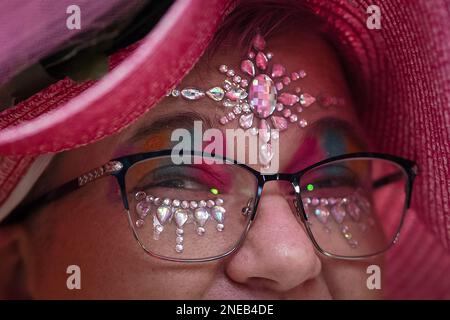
<point>402,71</point>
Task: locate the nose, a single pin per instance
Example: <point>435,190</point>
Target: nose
<point>277,254</point>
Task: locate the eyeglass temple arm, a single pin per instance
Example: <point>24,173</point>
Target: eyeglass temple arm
<point>388,179</point>
<point>24,209</point>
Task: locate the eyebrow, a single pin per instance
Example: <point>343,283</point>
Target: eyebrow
<point>170,122</point>
<point>186,119</point>
<point>339,125</point>
<point>304,156</point>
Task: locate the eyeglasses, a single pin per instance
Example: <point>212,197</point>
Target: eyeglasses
<point>351,206</point>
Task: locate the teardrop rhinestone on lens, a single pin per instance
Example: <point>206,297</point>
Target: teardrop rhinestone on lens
<point>246,120</point>
<point>353,210</point>
<point>192,93</point>
<point>201,215</point>
<point>363,203</point>
<point>140,195</point>
<point>218,213</point>
<point>248,67</point>
<point>216,93</point>
<point>181,216</point>
<point>143,208</point>
<point>163,214</point>
<point>338,212</point>
<point>139,223</point>
<point>322,213</point>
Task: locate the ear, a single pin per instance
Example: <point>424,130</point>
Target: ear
<point>13,277</point>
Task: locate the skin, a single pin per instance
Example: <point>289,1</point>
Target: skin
<point>277,261</point>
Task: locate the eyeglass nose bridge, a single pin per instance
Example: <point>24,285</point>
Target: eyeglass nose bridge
<point>296,203</point>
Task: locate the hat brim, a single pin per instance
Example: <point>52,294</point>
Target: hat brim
<point>83,113</point>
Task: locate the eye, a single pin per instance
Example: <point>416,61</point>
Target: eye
<point>178,177</point>
<point>179,183</point>
<point>332,177</point>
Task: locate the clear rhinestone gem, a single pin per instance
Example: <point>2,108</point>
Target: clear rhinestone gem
<point>216,93</point>
<point>192,93</point>
<point>306,99</point>
<point>143,208</point>
<point>265,154</point>
<point>338,212</point>
<point>246,120</point>
<point>223,68</point>
<point>139,223</point>
<point>140,195</point>
<point>218,213</point>
<point>322,213</point>
<point>181,216</point>
<point>201,215</point>
<point>163,214</point>
<point>236,93</point>
<point>227,103</point>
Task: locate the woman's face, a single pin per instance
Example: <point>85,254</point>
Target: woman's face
<point>89,228</point>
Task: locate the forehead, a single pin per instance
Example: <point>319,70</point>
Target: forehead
<point>294,48</point>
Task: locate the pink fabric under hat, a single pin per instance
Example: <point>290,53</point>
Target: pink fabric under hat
<point>403,72</point>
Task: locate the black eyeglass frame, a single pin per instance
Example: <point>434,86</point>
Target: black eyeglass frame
<point>119,167</point>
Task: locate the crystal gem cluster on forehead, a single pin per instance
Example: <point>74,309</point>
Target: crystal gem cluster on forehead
<point>258,97</point>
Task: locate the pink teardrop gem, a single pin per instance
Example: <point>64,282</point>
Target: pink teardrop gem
<point>248,67</point>
<point>306,99</point>
<point>279,123</point>
<point>354,211</point>
<point>258,42</point>
<point>261,60</point>
<point>278,70</point>
<point>338,213</point>
<point>288,99</point>
<point>322,214</point>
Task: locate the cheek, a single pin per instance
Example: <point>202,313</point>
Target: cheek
<point>95,235</point>
<point>348,279</point>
